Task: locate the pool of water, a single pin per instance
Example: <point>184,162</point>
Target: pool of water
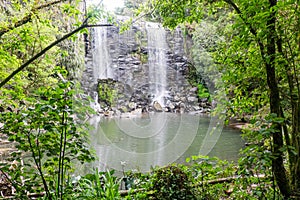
<point>159,139</point>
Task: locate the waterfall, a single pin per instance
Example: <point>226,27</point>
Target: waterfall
<point>157,47</point>
<point>101,62</point>
<point>147,64</point>
<point>95,105</point>
<point>101,59</point>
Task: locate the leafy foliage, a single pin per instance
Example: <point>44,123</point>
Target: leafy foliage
<point>203,92</point>
<point>38,112</point>
<point>171,182</point>
<point>203,177</point>
<point>49,137</point>
<point>99,185</point>
<point>106,93</point>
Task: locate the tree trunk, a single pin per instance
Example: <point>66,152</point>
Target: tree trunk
<point>277,162</point>
<point>296,144</point>
<point>293,140</point>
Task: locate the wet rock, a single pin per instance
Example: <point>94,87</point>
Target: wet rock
<point>183,99</point>
<point>123,109</point>
<point>196,108</point>
<point>144,110</point>
<point>194,89</point>
<point>157,107</point>
<point>136,62</point>
<point>203,100</point>
<point>203,104</point>
<point>132,105</point>
<point>176,98</point>
<point>170,107</point>
<point>192,99</point>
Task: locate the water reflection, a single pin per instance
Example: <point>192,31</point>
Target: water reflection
<point>160,139</point>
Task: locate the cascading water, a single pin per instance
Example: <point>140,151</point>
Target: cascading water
<point>157,47</point>
<point>157,61</point>
<point>95,105</point>
<point>147,63</point>
<point>101,59</point>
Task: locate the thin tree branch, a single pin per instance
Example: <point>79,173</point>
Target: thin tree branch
<point>39,168</point>
<point>96,25</point>
<point>42,52</point>
<point>252,30</point>
<point>239,12</point>
<point>28,17</point>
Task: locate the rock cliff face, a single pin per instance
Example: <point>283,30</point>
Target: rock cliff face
<point>141,68</point>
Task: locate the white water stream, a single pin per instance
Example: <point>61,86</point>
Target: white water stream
<point>157,48</point>
<point>101,58</point>
<point>102,61</point>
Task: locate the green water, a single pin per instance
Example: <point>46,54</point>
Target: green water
<point>159,139</point>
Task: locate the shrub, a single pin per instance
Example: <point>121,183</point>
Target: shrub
<point>171,182</point>
<point>49,135</point>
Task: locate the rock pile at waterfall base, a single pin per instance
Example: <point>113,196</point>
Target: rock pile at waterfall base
<point>126,99</point>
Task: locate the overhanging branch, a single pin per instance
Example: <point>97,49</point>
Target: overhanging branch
<point>252,30</point>
<point>239,12</point>
<point>42,52</point>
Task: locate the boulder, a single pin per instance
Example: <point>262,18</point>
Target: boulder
<point>192,99</point>
<point>123,109</point>
<point>203,99</point>
<point>132,105</point>
<point>157,107</point>
<point>196,108</point>
<point>193,89</point>
<point>171,106</point>
<point>176,98</point>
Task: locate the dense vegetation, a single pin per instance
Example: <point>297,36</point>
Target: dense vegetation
<point>257,57</point>
<point>247,50</point>
<point>39,115</point>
